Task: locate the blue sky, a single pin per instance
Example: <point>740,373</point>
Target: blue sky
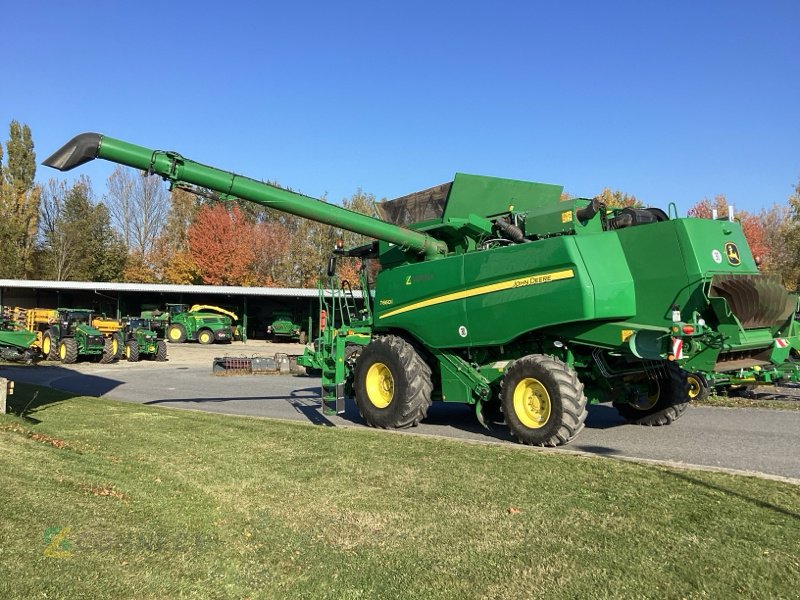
<point>670,101</point>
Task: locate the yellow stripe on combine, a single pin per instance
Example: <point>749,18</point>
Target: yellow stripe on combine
<point>509,284</point>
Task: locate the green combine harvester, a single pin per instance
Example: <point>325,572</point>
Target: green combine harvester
<point>500,294</point>
<point>16,342</point>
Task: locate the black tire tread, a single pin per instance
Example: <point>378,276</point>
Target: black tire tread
<point>413,407</point>
<point>71,355</point>
<point>669,408</point>
<point>161,351</point>
<point>132,351</point>
<point>573,401</point>
<point>53,354</point>
<point>108,355</point>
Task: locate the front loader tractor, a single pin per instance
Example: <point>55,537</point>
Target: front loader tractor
<point>500,294</point>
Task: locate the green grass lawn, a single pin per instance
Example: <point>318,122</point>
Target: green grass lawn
<point>104,499</point>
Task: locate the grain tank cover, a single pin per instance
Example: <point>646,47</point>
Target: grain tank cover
<point>467,195</point>
<point>492,196</point>
<point>426,205</point>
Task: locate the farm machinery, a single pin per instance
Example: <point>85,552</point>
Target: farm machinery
<point>16,342</point>
<point>113,336</point>
<point>501,294</point>
<point>141,341</point>
<point>65,334</point>
<point>284,327</point>
<point>200,322</point>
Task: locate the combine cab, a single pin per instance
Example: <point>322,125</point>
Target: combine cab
<point>499,294</point>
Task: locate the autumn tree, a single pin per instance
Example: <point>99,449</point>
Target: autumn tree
<point>785,252</point>
<point>170,258</point>
<point>618,199</point>
<point>272,258</point>
<point>19,203</point>
<point>752,225</point>
<point>220,245</point>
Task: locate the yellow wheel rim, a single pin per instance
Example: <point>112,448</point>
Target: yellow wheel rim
<point>695,387</point>
<point>532,403</point>
<point>62,351</point>
<point>174,333</point>
<point>380,385</point>
<point>204,337</point>
<point>114,346</point>
<point>46,344</point>
<point>127,351</point>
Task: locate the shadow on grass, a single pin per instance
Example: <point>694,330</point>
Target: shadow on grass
<point>37,387</point>
<point>718,488</point>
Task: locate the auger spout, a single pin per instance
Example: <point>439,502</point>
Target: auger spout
<point>182,171</point>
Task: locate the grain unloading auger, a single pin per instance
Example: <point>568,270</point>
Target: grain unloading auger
<point>498,293</point>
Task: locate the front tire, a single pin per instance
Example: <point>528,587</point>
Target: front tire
<point>161,351</point>
<point>68,351</point>
<point>49,348</point>
<point>110,350</point>
<point>543,401</point>
<point>393,384</point>
<point>176,334</point>
<point>132,351</point>
<point>205,337</point>
<point>666,401</point>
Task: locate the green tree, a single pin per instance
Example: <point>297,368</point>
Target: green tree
<point>79,243</point>
<point>19,203</point>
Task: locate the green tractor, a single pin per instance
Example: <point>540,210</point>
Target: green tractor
<point>500,294</point>
<point>141,341</point>
<point>284,328</point>
<point>69,334</point>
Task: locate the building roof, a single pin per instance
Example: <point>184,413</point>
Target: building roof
<point>107,286</point>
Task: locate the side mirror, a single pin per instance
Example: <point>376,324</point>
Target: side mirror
<point>331,266</point>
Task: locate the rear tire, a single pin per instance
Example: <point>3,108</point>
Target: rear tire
<point>205,337</point>
<point>132,351</point>
<point>161,351</point>
<point>49,347</point>
<point>543,401</point>
<point>68,351</point>
<point>666,402</point>
<point>393,384</point>
<point>176,334</point>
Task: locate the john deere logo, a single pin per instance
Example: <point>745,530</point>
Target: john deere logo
<point>732,252</point>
